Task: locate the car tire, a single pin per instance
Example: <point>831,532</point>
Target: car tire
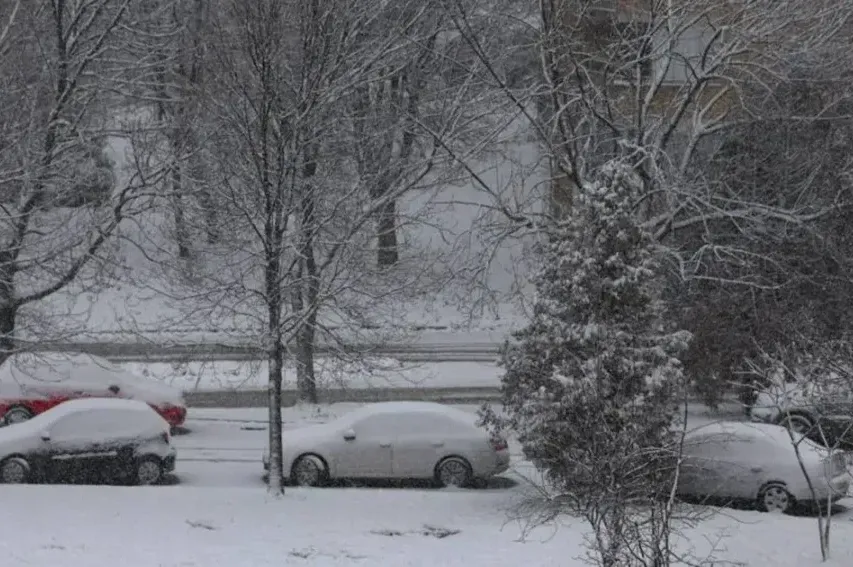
<point>15,470</point>
<point>309,470</point>
<point>148,471</point>
<point>17,414</point>
<point>453,472</point>
<point>775,498</point>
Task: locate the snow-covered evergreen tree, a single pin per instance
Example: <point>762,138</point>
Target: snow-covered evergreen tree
<point>589,384</point>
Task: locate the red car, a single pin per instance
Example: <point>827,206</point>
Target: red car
<point>32,383</point>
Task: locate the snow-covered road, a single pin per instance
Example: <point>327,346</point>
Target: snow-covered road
<point>218,513</point>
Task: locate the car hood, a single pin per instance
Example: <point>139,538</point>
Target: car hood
<point>20,436</point>
<point>784,399</point>
<point>297,439</point>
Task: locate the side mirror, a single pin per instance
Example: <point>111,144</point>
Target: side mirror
<point>114,389</point>
<point>45,436</point>
<point>349,435</point>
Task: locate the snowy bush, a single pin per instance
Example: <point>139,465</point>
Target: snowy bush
<point>590,385</point>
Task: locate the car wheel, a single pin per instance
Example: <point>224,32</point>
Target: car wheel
<point>17,414</point>
<point>453,472</point>
<point>149,470</point>
<point>798,423</point>
<point>15,470</point>
<point>308,470</point>
<point>774,497</point>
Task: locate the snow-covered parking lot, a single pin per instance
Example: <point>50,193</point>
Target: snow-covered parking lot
<point>217,512</point>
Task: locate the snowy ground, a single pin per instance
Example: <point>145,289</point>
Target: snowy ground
<point>448,230</point>
<point>217,513</point>
<point>381,373</point>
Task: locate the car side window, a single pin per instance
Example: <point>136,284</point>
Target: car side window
<point>375,426</point>
<point>701,447</point>
<point>702,452</point>
<point>425,424</point>
<point>761,449</point>
<point>99,425</point>
<point>81,425</point>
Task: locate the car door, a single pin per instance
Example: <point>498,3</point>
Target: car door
<point>81,445</point>
<point>421,440</point>
<point>366,447</point>
<point>755,460</point>
<point>703,467</point>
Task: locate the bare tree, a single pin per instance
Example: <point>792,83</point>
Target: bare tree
<point>9,22</point>
<point>167,51</point>
<point>799,153</point>
<point>656,83</point>
<point>61,199</point>
<point>667,85</point>
<point>299,260</point>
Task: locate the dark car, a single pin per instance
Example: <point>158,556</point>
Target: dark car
<point>88,440</point>
<point>822,410</point>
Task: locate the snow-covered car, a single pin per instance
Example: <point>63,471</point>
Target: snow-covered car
<point>407,440</point>
<point>31,383</point>
<point>88,439</point>
<point>821,409</point>
<point>758,462</point>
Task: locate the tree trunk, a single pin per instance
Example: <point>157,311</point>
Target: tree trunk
<point>276,369</point>
<point>562,192</point>
<point>307,284</point>
<point>206,202</point>
<point>211,218</point>
<point>306,382</point>
<point>275,356</point>
<point>387,252</point>
<point>181,235</point>
<point>174,113</point>
<point>7,332</point>
<point>306,379</point>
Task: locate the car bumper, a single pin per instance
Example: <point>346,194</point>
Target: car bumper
<point>502,464</point>
<point>833,489</point>
<point>169,461</point>
<point>837,488</point>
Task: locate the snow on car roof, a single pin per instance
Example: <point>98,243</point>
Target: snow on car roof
<point>78,370</point>
<point>410,407</point>
<point>741,429</point>
<point>750,431</point>
<point>79,405</point>
<point>47,367</point>
<point>86,404</point>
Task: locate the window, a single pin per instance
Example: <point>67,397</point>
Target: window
<point>679,58</point>
<point>425,423</point>
<point>80,425</point>
<point>375,426</point>
<point>100,425</point>
<point>633,52</point>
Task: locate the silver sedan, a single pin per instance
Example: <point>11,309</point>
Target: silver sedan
<point>406,440</point>
<point>759,462</point>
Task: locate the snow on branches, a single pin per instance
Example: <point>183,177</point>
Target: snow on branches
<point>590,383</point>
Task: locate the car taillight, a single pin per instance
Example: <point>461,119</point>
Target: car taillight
<point>840,461</point>
<point>499,444</point>
<point>836,464</point>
